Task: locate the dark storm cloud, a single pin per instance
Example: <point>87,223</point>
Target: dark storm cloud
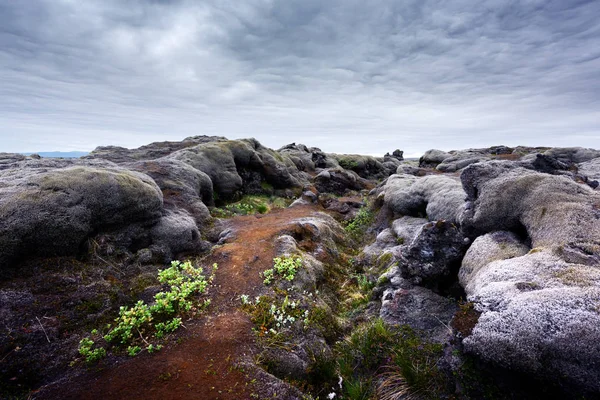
<point>346,75</point>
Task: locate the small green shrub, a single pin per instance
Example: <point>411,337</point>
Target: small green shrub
<point>286,267</point>
<point>134,324</point>
<point>86,350</point>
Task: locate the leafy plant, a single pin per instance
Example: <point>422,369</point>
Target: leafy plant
<point>286,267</point>
<point>91,355</point>
<point>134,324</point>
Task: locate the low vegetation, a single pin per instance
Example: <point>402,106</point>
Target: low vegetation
<point>140,326</point>
<point>250,205</point>
<point>358,226</point>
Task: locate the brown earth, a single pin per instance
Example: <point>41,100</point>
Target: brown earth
<point>202,362</point>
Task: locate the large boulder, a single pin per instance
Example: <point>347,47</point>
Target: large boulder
<point>535,276</point>
<point>241,166</point>
<point>366,166</point>
<point>423,310</point>
<point>433,256</point>
<point>591,170</point>
<point>183,186</point>
<point>554,211</point>
<point>339,181</point>
<point>437,197</point>
<point>432,158</point>
<point>49,208</point>
<point>150,151</point>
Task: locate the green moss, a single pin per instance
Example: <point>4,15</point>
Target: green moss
<point>347,163</point>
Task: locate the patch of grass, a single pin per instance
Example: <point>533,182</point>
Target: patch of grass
<point>358,226</point>
<point>250,205</point>
<point>409,360</point>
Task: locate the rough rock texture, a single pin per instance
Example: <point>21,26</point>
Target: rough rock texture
<point>554,210</point>
<point>183,186</point>
<point>539,307</point>
<point>432,158</point>
<point>423,310</point>
<point>433,255</point>
<point>151,151</point>
<point>485,249</point>
<point>366,166</point>
<point>437,197</point>
<point>461,160</point>
<point>339,181</point>
<point>241,166</point>
<point>47,210</point>
<point>591,170</point>
<point>572,155</point>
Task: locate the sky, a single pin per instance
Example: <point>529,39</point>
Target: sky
<point>347,76</point>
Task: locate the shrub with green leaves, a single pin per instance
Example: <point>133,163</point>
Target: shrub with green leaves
<point>285,267</point>
<point>135,324</point>
<point>86,350</point>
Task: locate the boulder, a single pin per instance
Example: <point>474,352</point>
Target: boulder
<point>423,310</point>
<point>151,151</point>
<point>539,316</point>
<point>49,211</point>
<point>437,197</point>
<point>554,211</point>
<point>534,276</point>
<point>238,167</point>
<point>591,170</point>
<point>432,158</point>
<point>485,249</point>
<point>432,258</point>
<point>176,233</point>
<point>366,167</point>
<point>339,181</point>
<point>183,186</point>
<point>572,155</point>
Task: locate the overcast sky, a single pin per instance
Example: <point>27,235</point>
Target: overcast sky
<point>345,75</point>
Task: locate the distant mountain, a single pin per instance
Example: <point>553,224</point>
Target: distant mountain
<point>60,154</point>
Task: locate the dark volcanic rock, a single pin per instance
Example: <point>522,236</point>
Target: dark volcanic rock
<point>433,256</point>
<point>339,181</point>
<point>423,310</point>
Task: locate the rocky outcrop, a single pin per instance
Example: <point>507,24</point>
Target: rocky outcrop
<point>437,197</point>
<point>432,158</point>
<point>339,181</point>
<point>420,308</point>
<point>241,166</point>
<point>155,197</point>
<point>540,306</point>
<point>50,208</point>
<point>151,151</point>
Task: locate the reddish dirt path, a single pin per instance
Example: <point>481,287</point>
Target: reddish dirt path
<point>201,365</point>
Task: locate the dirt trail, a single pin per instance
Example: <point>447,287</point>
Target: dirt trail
<point>201,365</point>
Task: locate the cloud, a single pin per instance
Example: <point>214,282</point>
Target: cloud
<point>344,75</point>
